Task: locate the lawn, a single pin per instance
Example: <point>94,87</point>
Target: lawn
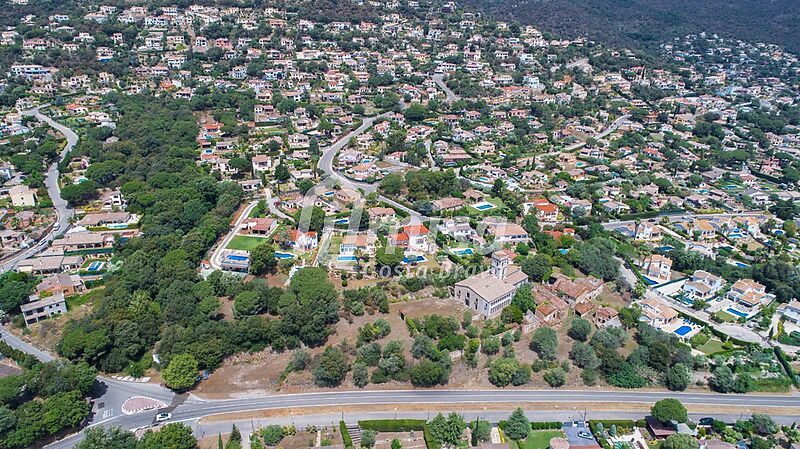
<point>726,317</point>
<point>712,346</point>
<point>541,439</point>
<point>79,300</point>
<point>246,243</point>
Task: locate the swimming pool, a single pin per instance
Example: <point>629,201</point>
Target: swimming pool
<point>95,266</point>
<point>741,264</point>
<point>665,248</point>
<point>484,206</point>
<point>683,330</point>
<point>279,255</point>
<point>463,251</point>
<point>649,281</point>
<point>736,312</point>
<point>238,258</point>
<point>414,259</point>
<point>342,221</point>
<point>563,250</point>
<point>117,226</point>
<point>346,258</point>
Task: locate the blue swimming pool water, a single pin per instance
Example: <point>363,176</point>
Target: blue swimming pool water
<point>563,250</point>
<point>736,312</point>
<point>683,330</point>
<point>649,281</point>
<point>665,248</point>
<point>347,258</point>
<point>463,252</point>
<point>412,259</point>
<point>94,266</point>
<point>484,206</point>
<point>239,258</point>
<point>284,255</point>
<point>342,221</point>
<point>741,264</point>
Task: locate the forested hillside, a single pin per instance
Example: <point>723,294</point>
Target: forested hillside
<point>646,21</point>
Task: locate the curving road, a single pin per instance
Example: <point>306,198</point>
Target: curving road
<point>325,164</point>
<point>63,211</point>
<point>450,96</point>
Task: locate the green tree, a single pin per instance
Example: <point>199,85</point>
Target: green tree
<point>538,268</point>
<point>181,373</point>
<point>360,374</point>
<point>262,259</point>
<point>544,343</point>
<point>722,379</point>
<point>481,431</point>
<point>332,368</point>
<point>763,424</point>
<point>427,374</point>
<point>668,410</point>
<point>447,431</point>
<point>390,257</point>
<point>677,377</point>
<point>679,441</point>
<point>172,436</point>
<point>517,425</point>
<point>502,370</point>
<point>107,438</point>
<point>580,329</point>
<point>234,439</point>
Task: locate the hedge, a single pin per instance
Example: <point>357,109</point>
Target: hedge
<point>430,443</point>
<point>393,425</point>
<point>348,441</point>
<point>547,425</point>
<point>786,366</point>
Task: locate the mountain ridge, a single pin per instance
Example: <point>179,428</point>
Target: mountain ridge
<point>644,22</point>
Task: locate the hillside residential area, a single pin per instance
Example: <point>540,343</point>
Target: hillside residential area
<point>386,224</point>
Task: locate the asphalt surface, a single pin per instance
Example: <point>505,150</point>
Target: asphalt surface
<point>63,211</point>
<point>450,96</point>
<point>194,408</point>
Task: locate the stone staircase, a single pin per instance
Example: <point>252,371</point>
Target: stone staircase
<point>355,433</point>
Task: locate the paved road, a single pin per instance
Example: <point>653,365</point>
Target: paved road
<point>16,343</point>
<point>332,419</point>
<point>108,394</point>
<point>63,211</point>
<point>450,96</point>
<point>326,165</point>
<point>674,217</point>
<point>613,127</point>
<point>194,408</point>
<point>273,208</point>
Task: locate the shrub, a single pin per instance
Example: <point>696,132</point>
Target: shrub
<point>272,434</point>
<point>555,377</point>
